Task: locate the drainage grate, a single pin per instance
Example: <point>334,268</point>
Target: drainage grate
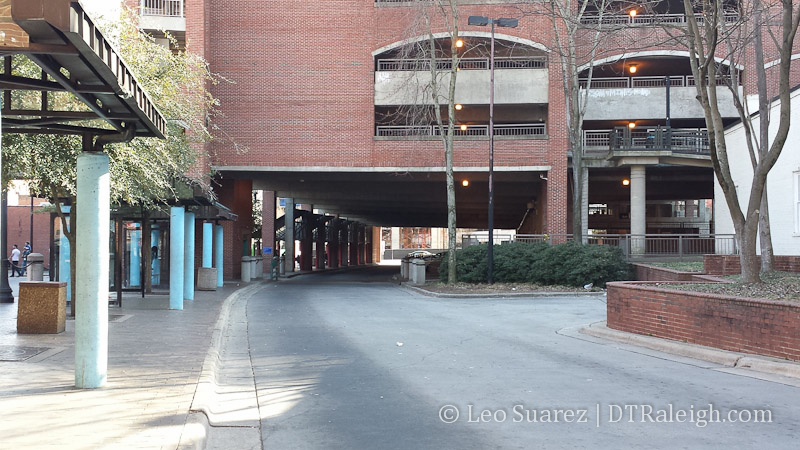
<point>19,353</point>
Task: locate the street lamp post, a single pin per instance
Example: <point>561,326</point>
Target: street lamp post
<point>507,23</point>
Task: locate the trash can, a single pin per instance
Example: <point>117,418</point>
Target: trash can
<point>42,307</point>
<point>246,269</point>
<point>35,267</point>
<point>417,271</point>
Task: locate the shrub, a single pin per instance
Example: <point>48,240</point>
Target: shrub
<point>570,264</point>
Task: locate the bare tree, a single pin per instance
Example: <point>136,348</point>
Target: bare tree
<point>708,34</point>
<point>576,46</point>
<point>424,97</point>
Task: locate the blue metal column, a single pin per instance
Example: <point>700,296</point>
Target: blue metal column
<point>188,260</point>
<point>91,284</point>
<point>208,239</point>
<point>176,219</point>
<point>218,253</point>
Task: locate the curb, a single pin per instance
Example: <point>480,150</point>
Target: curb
<point>713,355</point>
<point>199,425</point>
<point>428,293</point>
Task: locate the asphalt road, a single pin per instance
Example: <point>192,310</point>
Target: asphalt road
<point>353,361</point>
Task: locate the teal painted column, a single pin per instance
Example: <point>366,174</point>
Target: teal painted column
<point>155,236</point>
<point>188,257</point>
<point>208,240</point>
<point>135,276</point>
<point>91,283</point>
<point>218,255</point>
<point>63,260</point>
<point>176,219</point>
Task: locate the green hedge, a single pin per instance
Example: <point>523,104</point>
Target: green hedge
<point>569,264</point>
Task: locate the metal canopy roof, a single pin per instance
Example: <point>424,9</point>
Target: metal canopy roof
<point>64,42</point>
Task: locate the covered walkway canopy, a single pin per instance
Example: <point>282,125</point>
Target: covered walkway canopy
<point>75,57</point>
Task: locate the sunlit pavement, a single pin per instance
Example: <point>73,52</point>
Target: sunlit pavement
<point>155,358</point>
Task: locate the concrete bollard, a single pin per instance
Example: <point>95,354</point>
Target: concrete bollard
<point>207,279</point>
<point>256,267</point>
<point>246,270</point>
<point>404,268</point>
<point>35,267</point>
<point>417,271</point>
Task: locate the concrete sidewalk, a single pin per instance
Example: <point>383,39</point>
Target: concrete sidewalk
<point>155,361</point>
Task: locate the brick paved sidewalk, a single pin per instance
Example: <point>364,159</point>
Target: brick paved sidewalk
<point>155,360</point>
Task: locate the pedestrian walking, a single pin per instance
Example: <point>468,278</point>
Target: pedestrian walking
<point>14,259</point>
<point>26,250</point>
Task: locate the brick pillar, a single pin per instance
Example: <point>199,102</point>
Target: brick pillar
<point>307,243</point>
<point>344,242</point>
<point>268,226</point>
<point>320,225</point>
<point>238,196</point>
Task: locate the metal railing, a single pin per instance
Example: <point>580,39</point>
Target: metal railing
<point>646,82</point>
<point>527,62</point>
<point>647,19</point>
<point>635,246</point>
<point>523,129</point>
<point>692,141</point>
<point>169,8</point>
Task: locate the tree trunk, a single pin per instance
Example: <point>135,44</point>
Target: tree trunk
<point>749,260</point>
<point>765,235</point>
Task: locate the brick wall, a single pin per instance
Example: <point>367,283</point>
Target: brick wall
<point>645,272</point>
<point>730,265</point>
<point>19,226</point>
<point>765,327</point>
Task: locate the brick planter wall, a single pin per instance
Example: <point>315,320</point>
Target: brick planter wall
<point>729,264</point>
<point>645,272</point>
<point>760,326</point>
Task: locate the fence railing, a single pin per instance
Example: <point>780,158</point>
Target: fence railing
<point>635,246</point>
<point>646,19</point>
<point>528,62</point>
<point>692,141</point>
<point>646,82</point>
<point>169,8</point>
<point>523,129</point>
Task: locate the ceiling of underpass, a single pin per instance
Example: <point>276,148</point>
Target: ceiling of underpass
<point>405,198</point>
<point>662,183</point>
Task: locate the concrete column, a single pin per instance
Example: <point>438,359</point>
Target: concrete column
<point>208,241</point>
<point>177,217</point>
<point>395,241</point>
<point>219,256</point>
<point>188,257</point>
<point>91,284</point>
<point>289,235</point>
<point>638,208</point>
<point>585,205</point>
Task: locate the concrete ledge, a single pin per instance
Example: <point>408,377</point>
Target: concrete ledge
<point>428,293</point>
<point>694,351</point>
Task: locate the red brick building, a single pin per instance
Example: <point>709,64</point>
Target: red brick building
<point>316,110</point>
